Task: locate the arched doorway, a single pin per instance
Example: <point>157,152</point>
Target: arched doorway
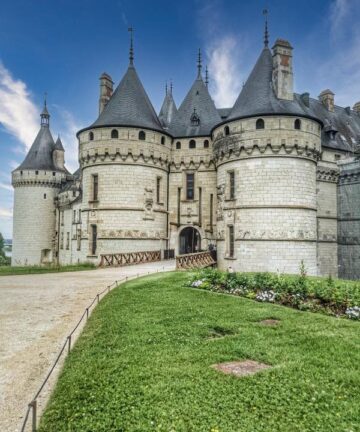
<point>189,241</point>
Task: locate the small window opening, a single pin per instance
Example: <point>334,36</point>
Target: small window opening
<point>231,184</point>
<point>142,136</point>
<point>190,186</point>
<point>114,133</point>
<point>260,124</point>
<point>231,241</point>
<point>95,181</point>
<point>163,140</point>
<point>192,144</point>
<point>158,189</point>
<point>206,144</point>
<point>91,136</point>
<point>44,196</point>
<point>178,145</point>
<point>297,124</point>
<point>36,172</point>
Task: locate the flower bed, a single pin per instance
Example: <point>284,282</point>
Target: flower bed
<point>327,295</point>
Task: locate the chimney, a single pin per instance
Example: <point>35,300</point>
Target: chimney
<point>282,70</point>
<point>326,97</point>
<point>356,107</point>
<point>106,90</point>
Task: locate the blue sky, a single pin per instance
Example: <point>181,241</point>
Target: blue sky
<point>62,47</point>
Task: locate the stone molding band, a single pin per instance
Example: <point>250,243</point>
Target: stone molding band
<point>327,175</point>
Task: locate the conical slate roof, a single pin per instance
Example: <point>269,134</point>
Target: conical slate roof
<point>168,109</point>
<point>258,97</point>
<point>59,144</point>
<point>129,105</point>
<point>197,104</point>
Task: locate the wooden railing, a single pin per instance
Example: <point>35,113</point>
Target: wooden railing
<point>128,258</point>
<point>194,260</point>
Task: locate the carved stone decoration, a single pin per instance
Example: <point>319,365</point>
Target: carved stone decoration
<point>325,174</point>
<point>149,203</point>
<point>220,201</point>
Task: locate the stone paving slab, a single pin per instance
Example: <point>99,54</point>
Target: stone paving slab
<point>37,312</point>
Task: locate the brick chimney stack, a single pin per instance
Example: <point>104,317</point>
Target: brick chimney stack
<point>282,70</point>
<point>356,107</point>
<point>106,91</point>
<point>326,97</point>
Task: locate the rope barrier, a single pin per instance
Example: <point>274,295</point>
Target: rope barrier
<point>32,406</point>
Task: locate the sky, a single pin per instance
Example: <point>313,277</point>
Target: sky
<point>62,47</point>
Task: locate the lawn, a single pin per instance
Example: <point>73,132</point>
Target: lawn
<point>8,270</point>
<point>143,363</point>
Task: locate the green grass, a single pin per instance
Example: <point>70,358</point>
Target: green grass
<point>8,270</point>
<point>143,364</point>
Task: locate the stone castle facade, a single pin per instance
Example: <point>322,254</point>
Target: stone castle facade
<point>271,181</point>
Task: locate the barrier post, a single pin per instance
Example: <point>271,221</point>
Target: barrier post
<point>33,406</point>
<point>69,346</point>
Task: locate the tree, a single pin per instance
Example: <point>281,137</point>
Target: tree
<point>2,245</point>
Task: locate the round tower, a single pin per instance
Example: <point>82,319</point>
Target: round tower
<point>124,158</point>
<point>266,154</point>
<point>36,182</point>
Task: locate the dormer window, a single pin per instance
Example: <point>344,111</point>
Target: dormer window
<point>297,124</point>
<point>260,124</point>
<point>195,119</point>
<point>114,134</point>
<point>91,136</point>
<point>142,136</point>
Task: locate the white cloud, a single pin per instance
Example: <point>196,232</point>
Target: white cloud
<point>6,186</point>
<point>339,11</point>
<point>224,70</point>
<point>6,213</point>
<point>18,114</point>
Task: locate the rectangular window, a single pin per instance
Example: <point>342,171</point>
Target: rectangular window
<point>67,240</point>
<point>74,216</point>
<point>158,189</point>
<point>62,217</point>
<point>231,184</point>
<point>190,186</point>
<point>93,239</point>
<point>62,240</point>
<point>231,241</point>
<point>78,238</point>
<point>95,187</point>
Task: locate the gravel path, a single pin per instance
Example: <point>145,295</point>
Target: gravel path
<point>36,314</point>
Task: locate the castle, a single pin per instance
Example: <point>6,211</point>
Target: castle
<point>272,181</point>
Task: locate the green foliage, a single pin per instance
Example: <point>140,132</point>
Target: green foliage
<point>328,295</point>
<point>4,261</point>
<point>6,270</point>
<point>143,363</point>
<point>2,246</point>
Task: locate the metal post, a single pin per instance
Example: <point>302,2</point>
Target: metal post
<point>98,298</point>
<point>69,346</point>
<point>33,406</point>
<point>87,313</point>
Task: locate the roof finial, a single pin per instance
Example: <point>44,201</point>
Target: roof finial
<point>166,88</point>
<point>45,116</point>
<point>266,33</point>
<point>171,86</point>
<point>131,52</point>
<point>45,97</point>
<point>199,63</point>
<point>206,76</point>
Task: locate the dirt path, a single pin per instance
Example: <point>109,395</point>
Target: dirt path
<point>36,314</point>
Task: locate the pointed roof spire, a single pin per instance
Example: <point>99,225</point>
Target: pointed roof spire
<point>45,116</point>
<point>199,66</point>
<point>58,144</point>
<point>166,88</point>
<point>266,32</point>
<point>171,86</point>
<point>168,108</point>
<point>131,51</point>
<point>206,76</point>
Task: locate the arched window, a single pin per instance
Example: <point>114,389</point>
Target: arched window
<point>260,124</point>
<point>297,124</point>
<point>142,136</point>
<point>91,136</point>
<point>163,140</point>
<point>206,144</point>
<point>178,145</point>
<point>192,144</point>
<point>114,133</point>
<point>227,130</point>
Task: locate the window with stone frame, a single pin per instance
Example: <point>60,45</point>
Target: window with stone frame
<point>62,217</point>
<point>231,241</point>
<point>158,190</point>
<point>231,187</point>
<point>95,187</point>
<point>62,240</point>
<point>78,239</point>
<point>190,186</point>
<point>260,124</point>
<point>67,241</point>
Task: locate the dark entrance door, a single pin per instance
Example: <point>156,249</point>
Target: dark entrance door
<point>190,241</point>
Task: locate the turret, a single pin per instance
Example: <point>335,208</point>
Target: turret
<point>36,182</point>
